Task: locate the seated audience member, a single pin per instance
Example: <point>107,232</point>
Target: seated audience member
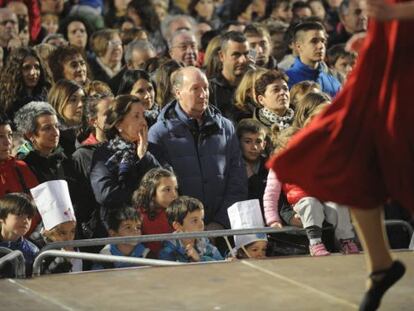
<point>252,138</point>
<point>247,215</point>
<point>67,62</point>
<point>204,11</point>
<point>15,175</point>
<point>311,211</point>
<point>186,214</point>
<point>50,22</point>
<point>341,61</point>
<point>119,164</point>
<point>67,97</point>
<point>107,46</point>
<point>121,222</point>
<point>22,81</point>
<point>300,11</point>
<point>272,93</point>
<point>310,43</point>
<point>55,206</point>
<point>156,191</point>
<point>16,212</point>
<point>139,84</point>
<point>137,52</point>
<point>183,47</point>
<point>280,11</point>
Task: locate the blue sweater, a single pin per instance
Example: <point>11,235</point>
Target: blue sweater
<point>301,72</point>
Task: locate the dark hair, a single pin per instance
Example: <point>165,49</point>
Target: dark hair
<point>180,207</point>
<point>336,51</point>
<point>300,5</point>
<point>4,120</point>
<point>235,36</point>
<point>119,108</point>
<point>250,126</point>
<point>59,57</point>
<point>11,78</point>
<point>144,196</point>
<point>147,13</point>
<point>268,78</point>
<point>307,26</point>
<point>116,216</point>
<point>207,37</point>
<point>274,4</point>
<point>129,78</point>
<point>64,24</point>
<point>238,7</point>
<point>16,204</point>
<point>256,30</point>
<point>229,23</point>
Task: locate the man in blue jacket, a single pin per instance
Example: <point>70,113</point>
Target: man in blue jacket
<point>310,41</point>
<point>202,147</point>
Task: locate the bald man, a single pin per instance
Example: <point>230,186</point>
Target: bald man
<point>202,147</point>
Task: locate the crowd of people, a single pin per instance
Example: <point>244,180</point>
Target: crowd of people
<point>130,117</point>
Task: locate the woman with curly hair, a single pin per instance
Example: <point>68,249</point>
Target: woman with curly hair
<point>22,81</point>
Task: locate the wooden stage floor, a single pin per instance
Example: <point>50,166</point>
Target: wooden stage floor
<point>296,283</point>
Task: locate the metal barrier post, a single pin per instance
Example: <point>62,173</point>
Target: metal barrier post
<point>17,259</point>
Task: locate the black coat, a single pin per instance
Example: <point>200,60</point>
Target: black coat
<point>111,189</point>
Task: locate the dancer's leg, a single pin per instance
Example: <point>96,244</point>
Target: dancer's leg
<point>384,272</point>
<point>369,224</point>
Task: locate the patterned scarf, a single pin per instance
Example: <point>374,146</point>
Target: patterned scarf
<point>125,155</point>
<point>273,118</point>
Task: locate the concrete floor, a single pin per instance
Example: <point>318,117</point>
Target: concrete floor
<point>298,283</point>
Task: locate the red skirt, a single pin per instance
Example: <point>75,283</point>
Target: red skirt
<point>360,150</point>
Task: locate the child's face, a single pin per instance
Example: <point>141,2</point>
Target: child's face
<point>252,145</point>
<point>257,249</point>
<point>344,65</point>
<point>15,226</point>
<point>128,227</point>
<point>166,191</point>
<point>51,23</point>
<point>193,222</point>
<point>63,232</point>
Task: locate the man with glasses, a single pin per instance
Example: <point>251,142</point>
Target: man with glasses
<point>9,31</point>
<point>183,47</point>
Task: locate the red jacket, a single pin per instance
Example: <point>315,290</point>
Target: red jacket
<point>293,193</point>
<point>157,226</point>
<point>16,176</point>
<point>35,23</point>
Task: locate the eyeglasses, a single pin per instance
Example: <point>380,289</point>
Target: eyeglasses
<point>114,43</point>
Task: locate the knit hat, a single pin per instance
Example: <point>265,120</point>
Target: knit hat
<point>53,203</point>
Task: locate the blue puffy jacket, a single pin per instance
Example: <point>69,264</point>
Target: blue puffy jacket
<point>300,72</point>
<point>207,159</point>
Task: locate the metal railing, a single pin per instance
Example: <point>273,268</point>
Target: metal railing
<point>402,223</point>
<point>169,236</point>
<point>16,258</point>
<point>37,265</point>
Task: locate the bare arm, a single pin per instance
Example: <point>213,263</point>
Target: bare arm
<point>382,10</point>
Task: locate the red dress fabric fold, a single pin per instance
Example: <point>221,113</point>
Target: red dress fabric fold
<point>360,150</point>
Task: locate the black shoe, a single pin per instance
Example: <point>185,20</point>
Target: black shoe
<point>381,281</point>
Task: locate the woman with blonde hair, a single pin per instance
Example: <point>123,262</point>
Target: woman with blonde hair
<point>299,90</point>
<point>212,63</point>
<point>66,97</point>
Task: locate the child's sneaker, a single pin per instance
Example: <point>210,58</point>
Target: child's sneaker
<point>348,246</point>
<point>318,250</point>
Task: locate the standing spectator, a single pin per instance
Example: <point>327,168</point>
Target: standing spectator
<point>67,62</point>
<point>22,81</point>
<point>233,54</point>
<point>353,20</point>
<point>310,41</point>
<point>259,41</point>
<point>119,164</point>
<point>107,45</point>
<point>163,81</point>
<point>66,97</point>
<point>15,175</point>
<point>9,31</point>
<point>201,146</point>
<point>183,47</point>
<point>77,31</point>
